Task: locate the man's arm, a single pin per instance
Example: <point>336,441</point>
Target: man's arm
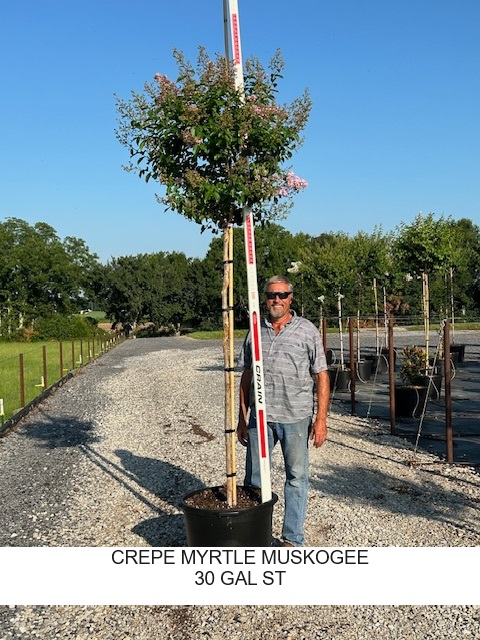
<point>242,428</point>
<point>319,428</point>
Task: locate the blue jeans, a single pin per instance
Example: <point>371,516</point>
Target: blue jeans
<point>293,440</point>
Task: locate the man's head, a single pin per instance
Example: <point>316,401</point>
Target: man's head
<point>279,295</point>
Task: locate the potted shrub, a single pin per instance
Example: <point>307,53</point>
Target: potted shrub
<point>419,383</point>
<point>218,149</point>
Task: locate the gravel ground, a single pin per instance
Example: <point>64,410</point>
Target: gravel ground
<point>105,460</point>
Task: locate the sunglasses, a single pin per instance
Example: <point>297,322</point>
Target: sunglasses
<point>271,295</point>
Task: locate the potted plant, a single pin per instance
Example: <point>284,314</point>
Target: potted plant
<point>419,383</point>
<point>217,148</point>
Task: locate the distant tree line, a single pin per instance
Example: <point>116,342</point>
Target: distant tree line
<point>43,276</point>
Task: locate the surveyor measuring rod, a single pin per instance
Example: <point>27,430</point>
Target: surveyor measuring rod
<point>253,301</point>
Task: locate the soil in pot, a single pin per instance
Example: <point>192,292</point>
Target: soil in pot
<point>216,498</point>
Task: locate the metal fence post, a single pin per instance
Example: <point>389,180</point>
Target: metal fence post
<point>352,366</point>
<point>22,380</point>
<point>391,375</point>
<point>45,381</point>
<point>448,392</point>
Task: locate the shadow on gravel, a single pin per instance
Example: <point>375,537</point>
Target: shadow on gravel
<point>162,480</point>
<point>60,432</point>
<point>169,483</point>
<point>392,495</point>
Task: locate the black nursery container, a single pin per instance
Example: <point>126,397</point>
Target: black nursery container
<point>247,527</point>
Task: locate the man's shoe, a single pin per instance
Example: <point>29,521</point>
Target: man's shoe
<point>285,543</point>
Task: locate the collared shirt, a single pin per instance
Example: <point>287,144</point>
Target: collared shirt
<point>290,360</point>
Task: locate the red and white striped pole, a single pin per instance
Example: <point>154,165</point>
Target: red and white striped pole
<point>253,300</point>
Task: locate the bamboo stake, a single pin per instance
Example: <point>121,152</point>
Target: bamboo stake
<point>340,296</point>
<point>426,311</point>
<point>227,313</point>
<point>358,335</point>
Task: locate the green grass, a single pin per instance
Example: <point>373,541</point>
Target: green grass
<point>216,335</point>
<point>60,359</point>
<point>98,315</point>
<point>459,326</point>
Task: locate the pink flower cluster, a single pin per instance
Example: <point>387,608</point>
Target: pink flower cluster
<point>295,183</point>
<point>166,86</point>
<point>264,110</point>
<point>292,183</point>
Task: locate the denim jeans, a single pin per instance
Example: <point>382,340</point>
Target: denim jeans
<point>293,440</point>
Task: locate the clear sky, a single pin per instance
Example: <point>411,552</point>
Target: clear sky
<point>394,128</point>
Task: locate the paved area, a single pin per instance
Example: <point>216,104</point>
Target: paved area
<point>428,431</point>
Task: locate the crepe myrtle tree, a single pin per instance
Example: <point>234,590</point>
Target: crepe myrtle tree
<point>216,149</point>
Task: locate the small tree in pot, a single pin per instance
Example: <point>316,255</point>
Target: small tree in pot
<point>217,149</point>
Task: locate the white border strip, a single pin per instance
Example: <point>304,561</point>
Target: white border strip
<point>266,576</point>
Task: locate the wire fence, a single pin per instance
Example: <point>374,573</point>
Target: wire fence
<point>25,377</point>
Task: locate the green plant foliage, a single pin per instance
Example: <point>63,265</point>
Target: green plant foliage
<point>414,364</point>
<point>214,147</point>
<point>65,328</point>
<point>40,274</point>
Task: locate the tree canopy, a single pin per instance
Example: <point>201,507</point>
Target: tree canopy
<point>216,148</point>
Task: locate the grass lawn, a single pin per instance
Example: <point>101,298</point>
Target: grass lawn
<point>216,335</point>
<point>98,315</point>
<point>60,358</point>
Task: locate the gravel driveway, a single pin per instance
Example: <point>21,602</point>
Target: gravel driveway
<point>105,460</point>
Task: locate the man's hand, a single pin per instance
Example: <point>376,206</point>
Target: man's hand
<point>242,428</point>
<point>242,432</point>
<point>318,432</point>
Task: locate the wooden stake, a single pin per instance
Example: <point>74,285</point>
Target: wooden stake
<point>228,358</point>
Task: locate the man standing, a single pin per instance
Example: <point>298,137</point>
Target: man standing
<point>294,365</point>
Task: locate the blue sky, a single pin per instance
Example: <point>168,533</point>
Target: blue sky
<point>394,128</point>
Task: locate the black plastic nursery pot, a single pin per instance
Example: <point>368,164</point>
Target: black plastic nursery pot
<point>459,349</point>
<point>379,363</point>
<point>339,378</point>
<point>330,356</point>
<point>410,401</point>
<point>234,527</point>
<point>433,384</point>
<point>363,370</point>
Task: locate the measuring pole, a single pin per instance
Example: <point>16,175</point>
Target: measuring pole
<point>253,301</point>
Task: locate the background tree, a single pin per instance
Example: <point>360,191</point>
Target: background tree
<point>422,250</point>
<point>40,274</point>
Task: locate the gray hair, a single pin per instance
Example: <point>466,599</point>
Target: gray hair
<point>278,280</point>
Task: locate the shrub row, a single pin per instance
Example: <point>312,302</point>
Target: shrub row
<point>56,327</point>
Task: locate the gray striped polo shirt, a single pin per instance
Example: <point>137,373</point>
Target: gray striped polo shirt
<point>290,359</point>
